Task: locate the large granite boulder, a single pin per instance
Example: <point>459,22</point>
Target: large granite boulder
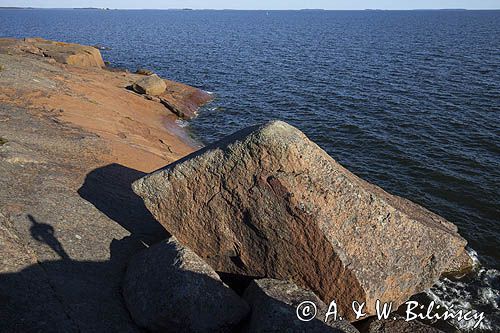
<point>274,306</point>
<point>268,202</point>
<point>151,85</point>
<point>168,288</point>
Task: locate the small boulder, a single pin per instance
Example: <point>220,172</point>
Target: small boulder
<point>168,288</point>
<point>268,202</point>
<point>151,85</point>
<point>274,309</point>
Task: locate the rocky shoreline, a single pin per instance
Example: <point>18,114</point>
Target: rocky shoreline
<point>232,237</point>
<point>70,83</point>
<point>73,139</point>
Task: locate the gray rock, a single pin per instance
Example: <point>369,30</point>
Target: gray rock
<point>168,288</point>
<point>144,71</point>
<point>268,202</point>
<point>399,325</point>
<point>274,309</point>
<point>151,85</point>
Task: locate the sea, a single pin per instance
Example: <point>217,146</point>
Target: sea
<point>408,100</point>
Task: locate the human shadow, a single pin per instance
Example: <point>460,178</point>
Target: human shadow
<point>44,233</point>
<point>109,189</point>
<point>66,295</point>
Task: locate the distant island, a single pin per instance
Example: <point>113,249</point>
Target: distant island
<point>17,8</point>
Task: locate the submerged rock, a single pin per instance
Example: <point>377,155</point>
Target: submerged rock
<point>102,47</point>
<point>168,288</point>
<point>268,202</point>
<point>274,309</point>
<point>150,85</point>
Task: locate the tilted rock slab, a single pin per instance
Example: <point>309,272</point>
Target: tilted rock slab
<point>68,53</point>
<point>182,100</point>
<point>274,306</point>
<point>268,202</point>
<point>168,288</point>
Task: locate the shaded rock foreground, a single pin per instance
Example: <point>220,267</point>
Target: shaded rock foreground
<point>274,304</point>
<point>168,288</point>
<point>268,202</point>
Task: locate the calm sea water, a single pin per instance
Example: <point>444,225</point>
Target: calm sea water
<point>409,100</point>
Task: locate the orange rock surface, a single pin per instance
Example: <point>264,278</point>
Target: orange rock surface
<point>140,133</point>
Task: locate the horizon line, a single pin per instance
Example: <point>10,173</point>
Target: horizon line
<point>263,9</point>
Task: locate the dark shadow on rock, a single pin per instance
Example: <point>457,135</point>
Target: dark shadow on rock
<point>168,288</point>
<point>239,283</point>
<point>44,233</point>
<point>67,295</point>
<point>278,316</point>
<point>76,296</point>
<point>109,189</point>
<point>71,296</point>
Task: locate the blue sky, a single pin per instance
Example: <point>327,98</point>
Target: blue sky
<point>261,4</point>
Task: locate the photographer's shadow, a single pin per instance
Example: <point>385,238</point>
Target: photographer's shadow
<point>66,295</point>
<point>44,233</point>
